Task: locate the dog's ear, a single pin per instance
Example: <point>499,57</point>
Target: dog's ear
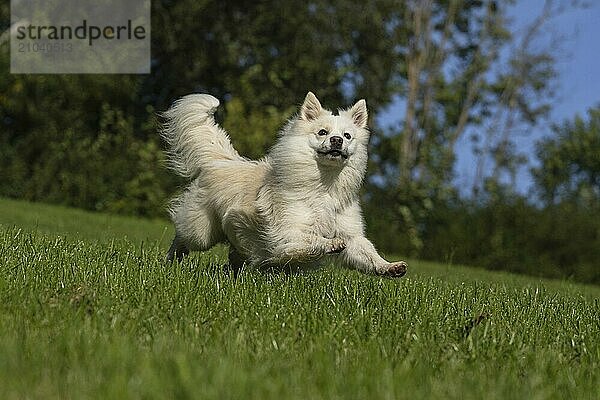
<point>311,108</point>
<point>359,113</point>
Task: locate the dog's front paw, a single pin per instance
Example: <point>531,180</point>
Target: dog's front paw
<point>334,246</point>
<point>393,270</point>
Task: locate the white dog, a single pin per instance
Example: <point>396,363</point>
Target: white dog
<point>291,208</point>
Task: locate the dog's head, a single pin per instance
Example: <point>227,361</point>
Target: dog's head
<point>335,139</point>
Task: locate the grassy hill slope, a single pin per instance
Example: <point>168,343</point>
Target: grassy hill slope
<point>88,309</point>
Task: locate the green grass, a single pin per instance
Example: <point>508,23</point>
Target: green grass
<point>86,313</point>
<point>79,224</point>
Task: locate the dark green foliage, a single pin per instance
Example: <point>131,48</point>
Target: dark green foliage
<point>559,242</point>
<point>570,162</point>
<point>91,141</point>
<point>80,147</point>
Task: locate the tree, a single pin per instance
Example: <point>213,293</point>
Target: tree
<point>442,58</point>
<point>464,71</point>
<point>86,140</point>
<point>569,162</point>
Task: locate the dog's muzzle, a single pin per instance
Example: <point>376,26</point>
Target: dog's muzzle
<point>335,150</point>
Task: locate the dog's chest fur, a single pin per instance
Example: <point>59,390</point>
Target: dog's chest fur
<point>324,210</point>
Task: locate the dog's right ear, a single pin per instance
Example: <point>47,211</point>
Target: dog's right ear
<point>311,108</point>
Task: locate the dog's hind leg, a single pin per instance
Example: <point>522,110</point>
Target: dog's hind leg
<point>196,227</point>
<point>195,231</point>
<point>236,260</point>
<point>177,250</point>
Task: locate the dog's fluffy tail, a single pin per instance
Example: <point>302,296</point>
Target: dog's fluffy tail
<point>193,136</point>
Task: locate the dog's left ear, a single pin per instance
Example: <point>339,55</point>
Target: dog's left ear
<point>359,113</point>
<point>311,108</point>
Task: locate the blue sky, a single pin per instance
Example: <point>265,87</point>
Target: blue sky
<point>577,85</point>
<point>578,82</point>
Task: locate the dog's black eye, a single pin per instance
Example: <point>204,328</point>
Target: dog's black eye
<point>323,132</point>
<point>347,136</point>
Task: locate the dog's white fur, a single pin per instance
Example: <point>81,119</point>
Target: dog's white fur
<point>293,207</point>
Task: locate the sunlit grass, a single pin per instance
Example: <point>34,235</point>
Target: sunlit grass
<point>85,316</point>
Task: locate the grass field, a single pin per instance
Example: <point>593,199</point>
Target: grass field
<point>88,309</point>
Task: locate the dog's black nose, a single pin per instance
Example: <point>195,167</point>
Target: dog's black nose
<point>336,142</point>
